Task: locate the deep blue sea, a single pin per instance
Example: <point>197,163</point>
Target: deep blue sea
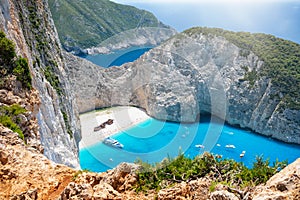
<point>154,140</point>
<point>118,57</point>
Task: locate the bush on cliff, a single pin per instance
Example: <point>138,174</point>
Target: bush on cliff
<point>10,64</point>
<point>225,171</point>
<point>10,119</point>
<point>7,54</point>
<point>22,72</point>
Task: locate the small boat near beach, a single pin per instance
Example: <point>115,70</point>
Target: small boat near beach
<point>113,142</point>
<point>231,146</point>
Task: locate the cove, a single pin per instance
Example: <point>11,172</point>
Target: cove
<point>154,140</point>
<point>117,57</point>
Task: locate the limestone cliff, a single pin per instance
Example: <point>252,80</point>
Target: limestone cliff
<point>29,25</point>
<point>189,74</point>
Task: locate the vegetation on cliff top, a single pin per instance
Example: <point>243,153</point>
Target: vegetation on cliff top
<point>281,60</point>
<point>227,172</point>
<point>87,23</point>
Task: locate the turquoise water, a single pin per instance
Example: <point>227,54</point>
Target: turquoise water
<point>154,140</point>
<point>118,57</point>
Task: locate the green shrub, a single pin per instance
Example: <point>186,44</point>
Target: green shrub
<point>53,79</point>
<point>8,122</point>
<point>14,110</point>
<point>10,64</point>
<point>7,52</point>
<point>251,76</point>
<point>9,118</point>
<point>65,116</point>
<point>228,172</point>
<point>22,72</point>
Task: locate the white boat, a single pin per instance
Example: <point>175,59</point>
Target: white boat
<point>113,142</point>
<point>230,146</point>
<point>199,146</point>
<point>242,154</point>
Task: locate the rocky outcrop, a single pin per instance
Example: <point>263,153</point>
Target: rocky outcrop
<point>196,189</point>
<point>284,185</point>
<point>188,75</point>
<point>223,195</point>
<point>25,173</point>
<point>30,26</point>
<point>110,185</point>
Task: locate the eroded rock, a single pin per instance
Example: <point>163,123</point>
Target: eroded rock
<point>123,177</point>
<point>222,195</point>
<point>284,185</point>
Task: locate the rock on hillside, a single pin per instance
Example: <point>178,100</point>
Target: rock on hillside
<point>85,24</point>
<point>25,173</point>
<point>284,185</point>
<point>189,74</point>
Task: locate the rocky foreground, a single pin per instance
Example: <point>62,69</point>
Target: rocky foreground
<point>27,174</point>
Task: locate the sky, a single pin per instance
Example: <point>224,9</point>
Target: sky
<point>277,17</point>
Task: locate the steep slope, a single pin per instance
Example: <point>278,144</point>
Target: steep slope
<point>29,25</point>
<point>85,24</point>
<point>205,71</point>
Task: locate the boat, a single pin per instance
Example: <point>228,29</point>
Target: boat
<point>113,142</point>
<point>230,146</point>
<point>242,154</point>
<point>199,146</point>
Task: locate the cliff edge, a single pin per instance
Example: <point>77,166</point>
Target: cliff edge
<point>29,25</point>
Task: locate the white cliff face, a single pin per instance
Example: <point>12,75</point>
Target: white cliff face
<point>36,39</point>
<point>186,76</point>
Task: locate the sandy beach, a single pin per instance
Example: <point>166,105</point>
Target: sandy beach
<point>123,118</point>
